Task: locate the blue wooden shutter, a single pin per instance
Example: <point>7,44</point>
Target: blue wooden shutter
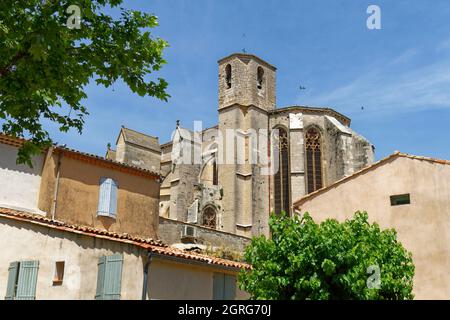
<point>99,295</point>
<point>109,278</point>
<point>104,196</point>
<point>26,284</point>
<point>218,286</point>
<point>230,287</point>
<point>13,272</point>
<point>113,199</point>
<point>113,276</point>
<point>107,200</point>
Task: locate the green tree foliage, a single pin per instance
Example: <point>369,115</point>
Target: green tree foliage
<point>46,61</point>
<point>331,260</point>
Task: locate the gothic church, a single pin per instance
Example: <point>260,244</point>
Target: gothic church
<point>314,148</point>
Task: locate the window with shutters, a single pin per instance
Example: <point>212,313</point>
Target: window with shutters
<point>281,177</point>
<point>107,201</point>
<point>22,279</point>
<point>313,159</point>
<point>224,287</point>
<point>109,277</point>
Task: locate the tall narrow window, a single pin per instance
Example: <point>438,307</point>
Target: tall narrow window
<point>313,160</point>
<point>215,173</point>
<point>260,77</point>
<point>282,190</point>
<point>228,75</point>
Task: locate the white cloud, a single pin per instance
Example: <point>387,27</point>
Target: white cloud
<point>387,90</point>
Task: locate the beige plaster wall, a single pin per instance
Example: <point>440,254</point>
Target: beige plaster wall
<point>167,279</point>
<point>78,194</point>
<point>423,226</point>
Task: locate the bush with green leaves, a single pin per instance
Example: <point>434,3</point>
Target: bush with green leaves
<point>304,260</point>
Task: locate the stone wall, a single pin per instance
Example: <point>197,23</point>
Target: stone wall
<point>170,233</point>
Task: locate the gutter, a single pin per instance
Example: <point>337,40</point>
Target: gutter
<point>55,196</point>
<point>145,282</point>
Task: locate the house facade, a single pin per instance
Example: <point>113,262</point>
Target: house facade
<point>24,182</point>
<point>45,259</point>
<point>408,193</point>
<point>89,190</point>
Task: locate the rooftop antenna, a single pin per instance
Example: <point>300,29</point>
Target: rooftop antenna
<point>243,49</point>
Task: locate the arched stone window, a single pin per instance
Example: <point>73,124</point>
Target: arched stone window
<point>281,178</point>
<point>313,159</point>
<point>228,75</point>
<point>209,217</point>
<point>260,77</point>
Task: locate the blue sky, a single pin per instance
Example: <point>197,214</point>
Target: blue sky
<point>399,74</point>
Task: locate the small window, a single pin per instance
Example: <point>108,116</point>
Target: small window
<point>228,75</point>
<point>401,199</point>
<point>260,77</point>
<point>59,273</point>
<point>107,202</point>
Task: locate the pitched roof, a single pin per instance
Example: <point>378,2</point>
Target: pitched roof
<point>92,158</point>
<point>395,155</point>
<point>140,139</point>
<point>155,246</point>
<point>247,57</point>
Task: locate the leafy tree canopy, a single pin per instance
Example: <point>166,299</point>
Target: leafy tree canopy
<point>330,260</point>
<point>49,51</point>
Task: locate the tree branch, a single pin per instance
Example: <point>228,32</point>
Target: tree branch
<point>7,69</point>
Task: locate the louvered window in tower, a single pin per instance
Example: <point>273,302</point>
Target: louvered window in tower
<point>282,190</point>
<point>228,76</point>
<point>313,160</point>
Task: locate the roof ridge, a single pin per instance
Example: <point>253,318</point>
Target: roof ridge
<point>6,139</point>
<point>363,170</point>
<point>144,134</point>
<point>424,158</point>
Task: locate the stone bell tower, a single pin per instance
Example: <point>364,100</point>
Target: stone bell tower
<point>246,95</point>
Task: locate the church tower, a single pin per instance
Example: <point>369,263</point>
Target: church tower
<point>246,96</point>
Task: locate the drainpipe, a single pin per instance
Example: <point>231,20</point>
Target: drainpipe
<point>145,282</point>
<point>269,133</point>
<point>55,196</point>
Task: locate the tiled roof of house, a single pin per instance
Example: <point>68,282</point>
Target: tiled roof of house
<point>383,161</point>
<point>141,139</point>
<point>152,245</point>
<point>113,163</point>
<point>17,142</point>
